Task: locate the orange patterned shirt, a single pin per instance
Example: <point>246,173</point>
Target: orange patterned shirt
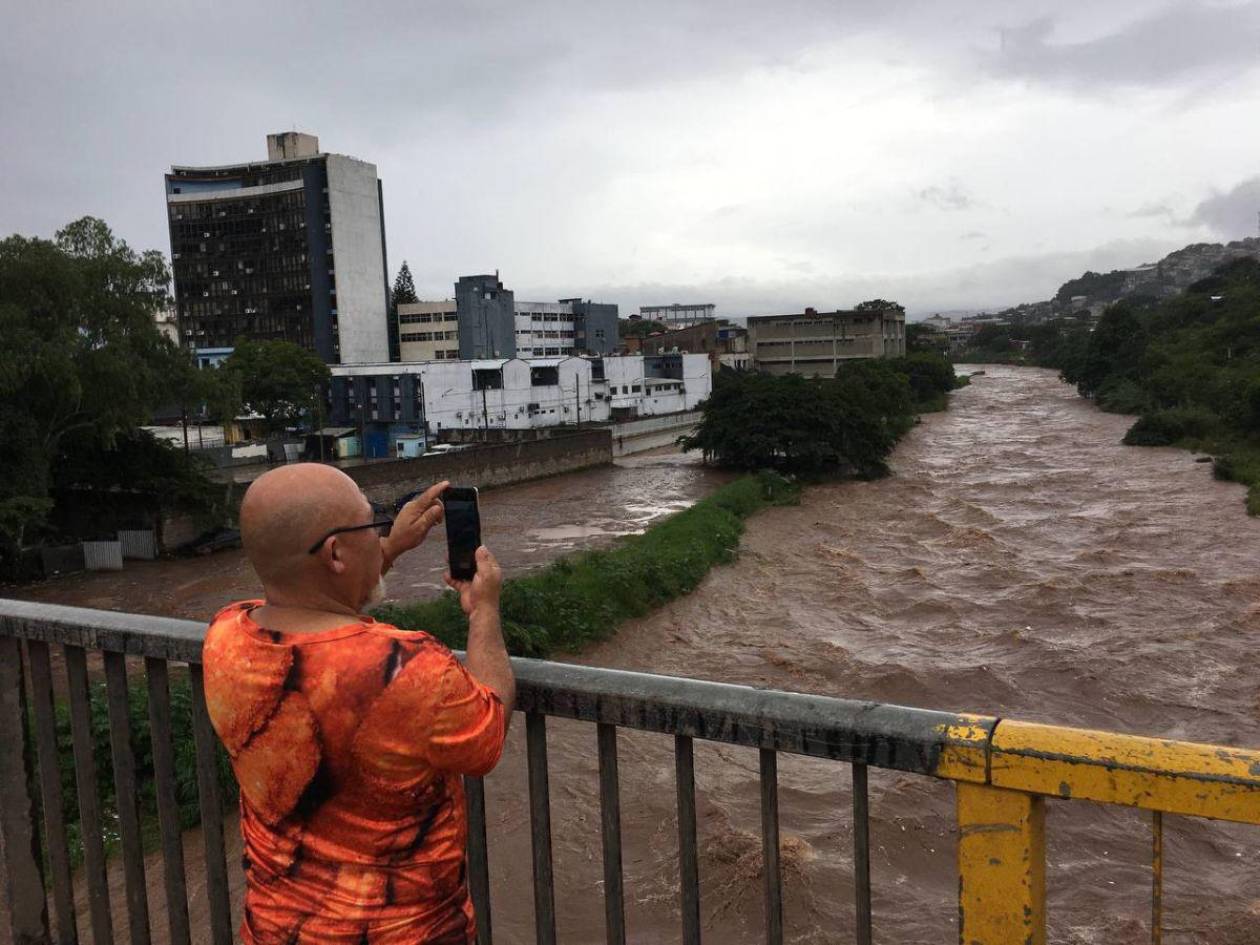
<point>348,746</point>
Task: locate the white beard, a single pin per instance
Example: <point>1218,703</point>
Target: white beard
<point>376,596</point>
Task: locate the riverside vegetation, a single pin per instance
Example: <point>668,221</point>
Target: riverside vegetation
<point>1189,366</point>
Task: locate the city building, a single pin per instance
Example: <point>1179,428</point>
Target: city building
<point>678,316</point>
<point>815,343</point>
<point>428,331</point>
<point>733,347</point>
<point>544,330</point>
<point>389,401</point>
<point>487,318</point>
<point>701,338</point>
<point>291,248</point>
<point>594,326</point>
<point>167,323</point>
<point>492,324</point>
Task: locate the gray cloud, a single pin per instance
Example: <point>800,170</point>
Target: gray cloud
<point>1180,42</point>
<point>989,285</point>
<point>638,151</point>
<point>1232,214</point>
<point>949,196</point>
<point>1152,209</point>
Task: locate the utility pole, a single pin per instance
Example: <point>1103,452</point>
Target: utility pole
<point>577,399</point>
<point>424,422</point>
<point>184,416</point>
<point>485,416</point>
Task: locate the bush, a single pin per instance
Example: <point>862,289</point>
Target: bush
<point>1168,427</point>
<point>582,598</point>
<point>142,748</point>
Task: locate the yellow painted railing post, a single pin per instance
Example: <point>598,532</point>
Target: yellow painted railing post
<point>1001,867</point>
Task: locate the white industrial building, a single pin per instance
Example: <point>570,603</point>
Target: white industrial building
<point>388,400</point>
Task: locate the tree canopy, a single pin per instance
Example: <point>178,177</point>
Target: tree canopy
<point>847,424</point>
<point>81,358</point>
<point>639,327</point>
<point>404,286</point>
<point>278,380</point>
<point>877,305</point>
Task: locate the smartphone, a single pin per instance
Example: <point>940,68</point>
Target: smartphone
<point>463,530</point>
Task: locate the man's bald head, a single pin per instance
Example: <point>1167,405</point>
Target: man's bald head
<point>287,509</point>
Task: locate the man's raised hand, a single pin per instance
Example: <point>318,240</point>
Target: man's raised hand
<point>412,524</point>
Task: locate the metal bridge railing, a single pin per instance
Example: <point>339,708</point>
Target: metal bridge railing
<point>1003,770</point>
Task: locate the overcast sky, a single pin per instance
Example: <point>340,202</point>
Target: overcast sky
<point>763,156</point>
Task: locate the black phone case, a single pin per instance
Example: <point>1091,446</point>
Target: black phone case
<point>462,543</point>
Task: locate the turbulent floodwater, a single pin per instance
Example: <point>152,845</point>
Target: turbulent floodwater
<point>1019,562</point>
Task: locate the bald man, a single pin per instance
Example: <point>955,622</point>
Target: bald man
<point>349,737</point>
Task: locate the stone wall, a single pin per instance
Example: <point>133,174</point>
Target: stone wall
<point>496,464</point>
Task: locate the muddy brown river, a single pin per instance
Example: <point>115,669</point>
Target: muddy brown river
<point>1020,562</point>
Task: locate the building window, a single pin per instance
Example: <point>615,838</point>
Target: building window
<point>488,379</point>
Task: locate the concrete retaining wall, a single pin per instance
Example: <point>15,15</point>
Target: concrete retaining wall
<point>492,465</point>
<point>649,433</point>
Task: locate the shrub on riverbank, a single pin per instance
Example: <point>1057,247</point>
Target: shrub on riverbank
<point>582,598</point>
<point>842,425</point>
<point>185,757</point>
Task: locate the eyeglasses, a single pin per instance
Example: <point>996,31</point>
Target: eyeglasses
<point>381,525</point>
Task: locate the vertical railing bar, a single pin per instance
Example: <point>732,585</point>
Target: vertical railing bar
<point>772,875</point>
<point>85,783</point>
<point>211,812</point>
<point>50,790</point>
<point>158,678</point>
<point>610,822</point>
<point>125,797</point>
<point>23,903</point>
<point>1157,877</point>
<point>688,855</point>
<point>540,829</point>
<point>861,854</point>
<point>478,857</point>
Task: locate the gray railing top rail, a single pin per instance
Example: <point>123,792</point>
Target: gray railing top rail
<point>879,734</point>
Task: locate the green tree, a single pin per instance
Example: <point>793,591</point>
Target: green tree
<point>639,328</point>
<point>877,305</point>
<point>996,338</point>
<point>1115,351</point>
<point>80,356</point>
<point>815,426</point>
<point>404,286</point>
<point>278,380</point>
<point>921,337</point>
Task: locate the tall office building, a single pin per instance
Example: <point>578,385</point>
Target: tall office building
<point>291,248</point>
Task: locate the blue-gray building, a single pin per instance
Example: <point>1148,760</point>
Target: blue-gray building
<point>487,318</point>
<point>595,326</point>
